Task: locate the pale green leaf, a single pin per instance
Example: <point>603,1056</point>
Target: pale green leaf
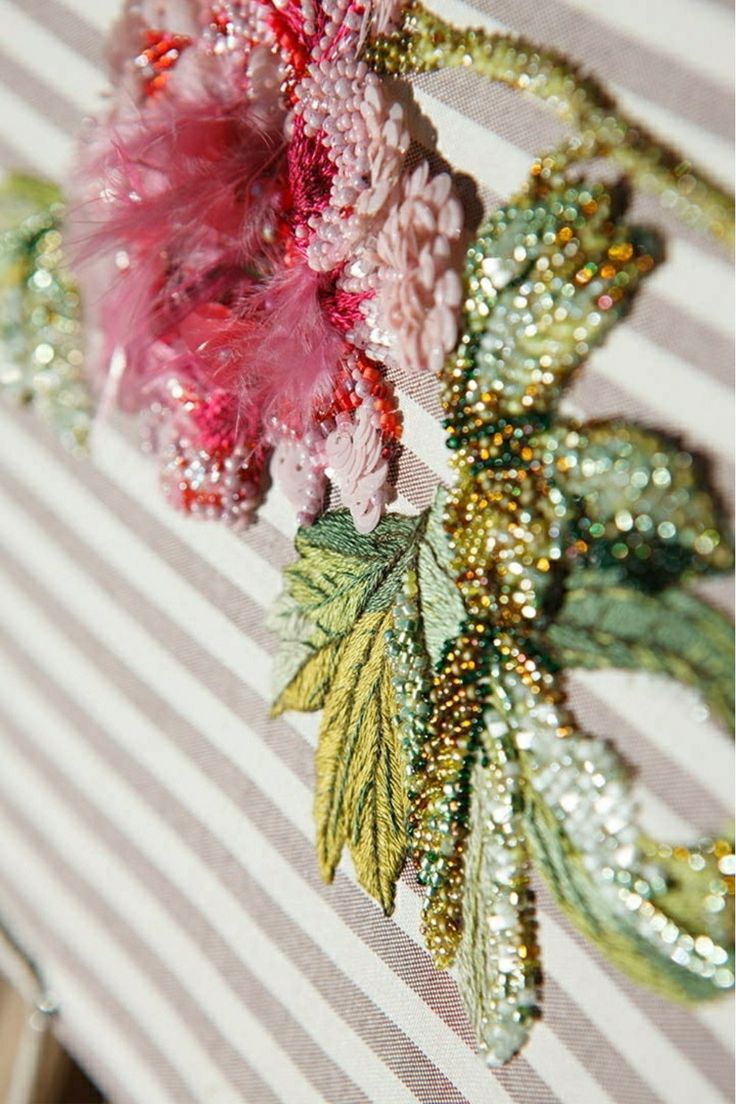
<point>603,623</point>
<point>295,632</point>
<point>441,605</point>
<point>614,930</point>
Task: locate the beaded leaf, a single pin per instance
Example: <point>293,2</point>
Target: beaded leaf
<point>40,311</point>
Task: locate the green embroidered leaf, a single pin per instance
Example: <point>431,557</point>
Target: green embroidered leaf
<point>341,573</point>
<point>360,795</point>
<point>654,962</point>
<point>605,624</point>
<point>441,605</point>
<point>498,969</point>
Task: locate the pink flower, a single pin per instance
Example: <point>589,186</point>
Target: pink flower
<point>248,170</point>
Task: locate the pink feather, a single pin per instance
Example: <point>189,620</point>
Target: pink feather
<point>189,198</point>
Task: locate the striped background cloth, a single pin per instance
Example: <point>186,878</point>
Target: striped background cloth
<point>155,826</point>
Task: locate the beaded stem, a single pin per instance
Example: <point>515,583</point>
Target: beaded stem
<point>426,43</point>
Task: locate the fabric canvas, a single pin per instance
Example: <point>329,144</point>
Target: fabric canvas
<point>157,856</point>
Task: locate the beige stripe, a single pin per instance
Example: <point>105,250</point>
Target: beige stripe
<point>127,600</point>
<point>45,99</point>
<point>247,617</point>
<point>534,1097</point>
<point>675,787</point>
<point>68,496</point>
<point>345,996</point>
<point>67,26</point>
<point>525,124</point>
<point>529,127</point>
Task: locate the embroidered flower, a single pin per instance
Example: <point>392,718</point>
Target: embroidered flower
<point>248,169</point>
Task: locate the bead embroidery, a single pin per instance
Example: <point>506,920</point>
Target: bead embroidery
<point>269,255</point>
<point>566,543</point>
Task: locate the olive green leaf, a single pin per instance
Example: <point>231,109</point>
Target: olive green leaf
<point>308,689</point>
<point>613,928</point>
<point>696,891</point>
<point>603,623</point>
<point>360,793</point>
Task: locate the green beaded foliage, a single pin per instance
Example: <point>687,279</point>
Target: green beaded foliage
<point>40,312</point>
<point>558,545</point>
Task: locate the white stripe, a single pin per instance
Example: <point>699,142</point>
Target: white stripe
<point>658,820</point>
<point>714,152</point>
<point>700,146</point>
<point>562,1071</point>
<point>155,926</point>
<point>67,498</point>
<point>691,402</point>
<point>696,33</point>
<point>295,799</point>
<point>695,282</point>
<point>690,279</point>
<point>104,956</point>
<point>40,52</point>
<point>425,436</point>
<point>719,1018</point>
<point>38,141</point>
<point>231,826</point>
<point>692,290</point>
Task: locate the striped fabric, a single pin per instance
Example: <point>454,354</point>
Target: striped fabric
<point>156,831</point>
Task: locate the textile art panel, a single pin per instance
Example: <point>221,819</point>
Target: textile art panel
<point>343,272</point>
